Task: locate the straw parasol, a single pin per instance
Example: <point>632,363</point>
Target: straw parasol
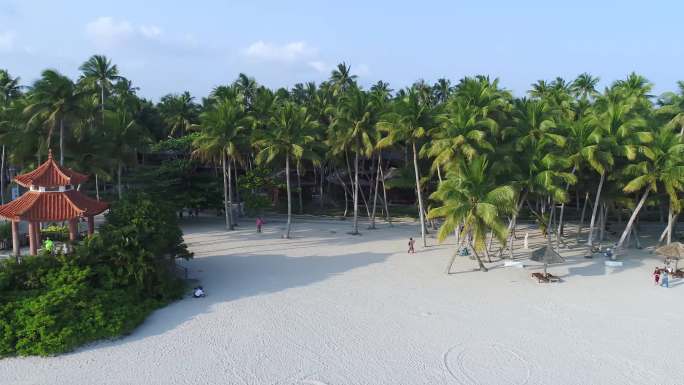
<point>674,250</point>
<point>546,255</point>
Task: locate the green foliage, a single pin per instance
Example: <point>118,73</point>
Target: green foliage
<point>55,232</point>
<point>6,230</point>
<point>113,280</point>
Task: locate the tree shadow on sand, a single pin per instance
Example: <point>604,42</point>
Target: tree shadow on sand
<point>234,277</point>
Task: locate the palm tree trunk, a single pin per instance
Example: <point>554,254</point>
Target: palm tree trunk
<point>593,214</point>
<point>514,220</point>
<point>299,187</point>
<point>322,182</point>
<point>670,224</point>
<point>562,209</point>
<point>581,219</point>
<point>226,200</point>
<point>375,196</point>
<point>420,196</point>
<point>384,196</point>
<point>439,175</point>
<point>237,189</point>
<point>355,230</point>
<point>97,187</point>
<point>61,142</point>
<point>632,218</point>
<point>230,193</point>
<point>289,196</point>
<point>118,178</point>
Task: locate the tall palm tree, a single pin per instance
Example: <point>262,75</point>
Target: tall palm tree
<point>223,136</point>
<point>408,123</point>
<point>662,165</point>
<point>355,118</point>
<point>98,70</point>
<point>584,86</point>
<point>615,134</point>
<point>471,197</point>
<point>462,134</point>
<point>124,135</point>
<point>341,78</point>
<point>290,131</point>
<point>179,112</point>
<point>54,100</point>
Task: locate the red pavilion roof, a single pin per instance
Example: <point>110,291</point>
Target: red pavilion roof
<point>51,206</point>
<point>50,174</point>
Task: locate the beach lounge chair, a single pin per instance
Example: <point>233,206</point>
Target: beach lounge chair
<point>678,274</point>
<point>540,277</point>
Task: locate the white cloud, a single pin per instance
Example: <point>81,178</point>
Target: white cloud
<point>7,41</point>
<point>150,31</point>
<point>320,66</point>
<point>107,32</point>
<point>289,52</point>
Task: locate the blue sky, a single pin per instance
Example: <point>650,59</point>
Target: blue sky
<point>172,46</point>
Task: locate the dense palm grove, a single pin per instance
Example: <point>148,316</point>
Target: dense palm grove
<point>473,156</point>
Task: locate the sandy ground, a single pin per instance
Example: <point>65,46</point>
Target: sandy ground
<point>329,308</point>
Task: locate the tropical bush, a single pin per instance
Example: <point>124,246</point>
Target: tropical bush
<point>107,287</point>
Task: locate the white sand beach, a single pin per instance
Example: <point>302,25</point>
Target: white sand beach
<point>329,308</point>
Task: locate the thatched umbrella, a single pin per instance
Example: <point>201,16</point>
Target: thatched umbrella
<point>674,250</point>
<point>546,255</point>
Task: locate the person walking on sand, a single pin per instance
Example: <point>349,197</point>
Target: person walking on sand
<point>411,244</point>
<point>656,276</point>
<point>259,223</point>
<point>666,280</point>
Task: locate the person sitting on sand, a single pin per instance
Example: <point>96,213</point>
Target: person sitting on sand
<point>411,245</point>
<point>199,292</point>
<point>666,280</point>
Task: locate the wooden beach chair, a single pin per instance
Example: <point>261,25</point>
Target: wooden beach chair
<point>540,277</point>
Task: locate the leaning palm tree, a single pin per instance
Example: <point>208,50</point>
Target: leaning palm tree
<point>289,132</point>
<point>411,119</point>
<point>470,197</point>
<point>54,100</point>
<point>663,165</point>
<point>98,70</point>
<point>223,135</point>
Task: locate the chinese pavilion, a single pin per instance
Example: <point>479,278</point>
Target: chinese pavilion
<point>52,197</point>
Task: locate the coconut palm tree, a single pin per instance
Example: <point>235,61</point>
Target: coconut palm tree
<point>99,71</point>
<point>461,134</point>
<point>662,165</point>
<point>180,113</point>
<point>290,130</point>
<point>223,135</point>
<point>355,118</point>
<point>471,197</point>
<point>584,86</point>
<point>54,101</point>
<point>408,123</point>
<point>615,134</point>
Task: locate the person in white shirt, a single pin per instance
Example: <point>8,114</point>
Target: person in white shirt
<point>199,292</point>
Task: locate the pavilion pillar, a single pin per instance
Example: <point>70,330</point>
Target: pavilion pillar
<point>33,244</point>
<point>73,229</point>
<point>91,225</point>
<point>39,240</point>
<point>16,246</point>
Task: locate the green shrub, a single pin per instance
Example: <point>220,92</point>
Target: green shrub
<point>106,288</point>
